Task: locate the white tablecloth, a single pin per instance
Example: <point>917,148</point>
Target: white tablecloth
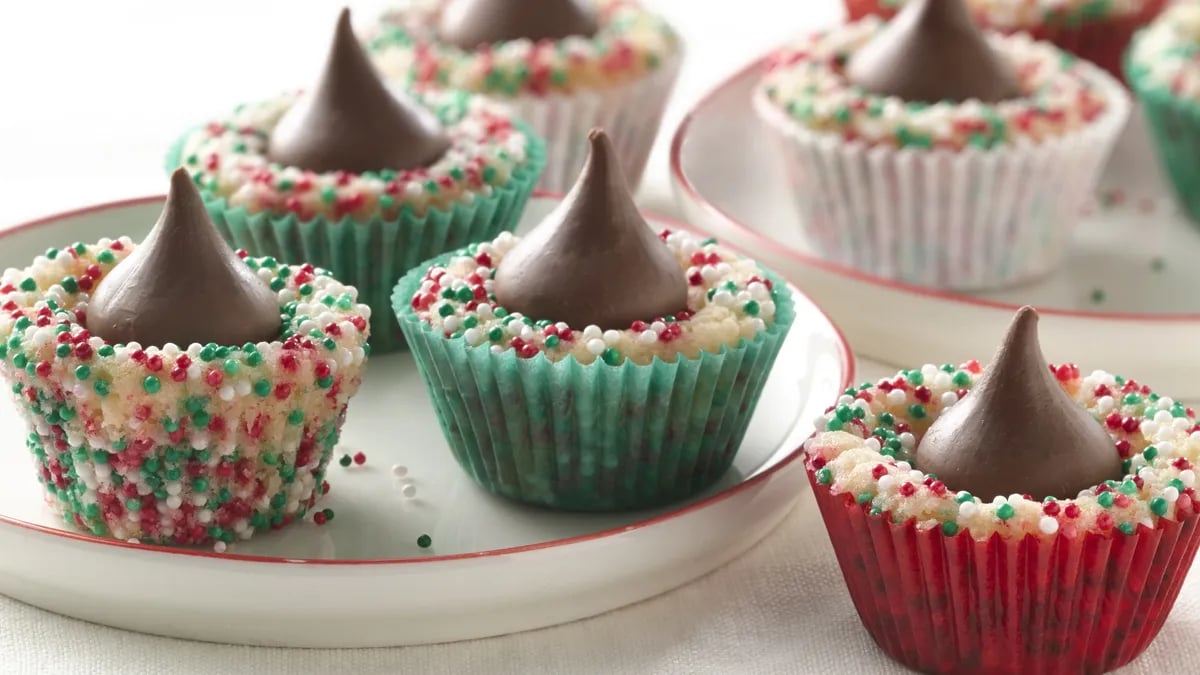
<point>89,101</point>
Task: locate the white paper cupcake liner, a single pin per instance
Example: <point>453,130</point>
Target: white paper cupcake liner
<point>631,113</point>
<point>964,220</point>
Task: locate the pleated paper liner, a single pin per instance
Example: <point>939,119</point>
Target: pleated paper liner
<point>967,220</point>
<point>296,477</point>
<point>631,113</point>
<point>1175,127</point>
<point>1050,605</point>
<point>596,437</point>
<point>373,255</point>
<point>1100,40</point>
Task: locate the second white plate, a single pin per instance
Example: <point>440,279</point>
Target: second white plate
<point>1124,299</point>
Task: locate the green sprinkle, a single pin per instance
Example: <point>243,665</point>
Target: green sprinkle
<point>1131,399</point>
<point>62,351</point>
<point>100,387</point>
<point>254,359</point>
<point>269,459</point>
<point>834,424</point>
<point>1105,499</point>
<point>887,419</point>
<point>231,366</point>
<point>1005,511</point>
<point>1150,453</point>
<point>28,284</point>
<point>915,377</point>
<point>1158,506</point>
<point>151,384</point>
<point>208,352</point>
<point>1128,487</point>
<point>1098,296</point>
<point>961,379</point>
<point>1126,528</point>
<point>296,417</point>
<point>199,485</point>
<point>917,411</point>
<point>424,541</point>
<point>133,504</point>
<point>825,476</point>
<point>70,285</point>
<point>949,528</point>
<point>751,308</point>
<point>611,356</point>
<point>1177,484</point>
<point>346,460</point>
<point>262,388</point>
<point>864,497</point>
<point>552,341</point>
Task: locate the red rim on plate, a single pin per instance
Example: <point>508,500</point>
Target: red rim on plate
<point>847,380</point>
<point>683,181</point>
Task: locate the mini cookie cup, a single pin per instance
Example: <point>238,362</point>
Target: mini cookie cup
<point>372,254</point>
<point>963,220</point>
<point>1064,586</point>
<point>593,437</point>
<point>178,445</point>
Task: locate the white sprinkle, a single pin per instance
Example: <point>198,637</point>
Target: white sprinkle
<point>896,397</point>
<point>409,490</point>
<point>219,547</point>
<point>658,326</point>
<point>1105,404</point>
<point>967,509</point>
<point>949,398</point>
<point>722,298</point>
<point>242,387</point>
<point>908,440</point>
<point>886,482</point>
<point>399,470</point>
<point>1048,525</point>
<point>904,466</point>
<point>648,337</point>
<point>612,337</point>
<point>226,393</point>
<point>451,323</point>
<point>596,346</point>
<point>592,332</point>
<point>204,515</point>
<point>174,502</point>
<point>474,336</point>
<point>1188,477</point>
<point>872,444</point>
<point>133,540</point>
<point>1170,494</point>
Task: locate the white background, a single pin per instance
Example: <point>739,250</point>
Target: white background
<point>91,93</point>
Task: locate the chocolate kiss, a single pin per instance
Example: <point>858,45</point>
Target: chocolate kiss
<point>932,51</point>
<point>1017,431</point>
<point>469,24</point>
<point>593,260</point>
<point>183,285</point>
<point>351,122</point>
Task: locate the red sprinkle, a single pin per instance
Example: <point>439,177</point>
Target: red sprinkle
<point>360,458</point>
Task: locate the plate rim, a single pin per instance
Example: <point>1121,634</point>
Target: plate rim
<point>682,182</point>
<point>845,353</point>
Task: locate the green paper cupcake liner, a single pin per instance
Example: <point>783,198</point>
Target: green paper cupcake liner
<point>591,437</point>
<point>373,255</point>
<point>1175,127</point>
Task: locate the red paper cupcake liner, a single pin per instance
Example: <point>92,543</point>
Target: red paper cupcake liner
<point>1101,41</point>
<point>942,604</point>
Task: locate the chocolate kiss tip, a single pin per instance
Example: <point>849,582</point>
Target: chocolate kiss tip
<point>593,260</point>
<point>933,51</point>
<point>1017,431</point>
<point>183,285</point>
<point>470,24</point>
<point>350,121</point>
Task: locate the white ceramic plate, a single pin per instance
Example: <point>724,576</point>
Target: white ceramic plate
<point>362,580</point>
<point>1124,301</point>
